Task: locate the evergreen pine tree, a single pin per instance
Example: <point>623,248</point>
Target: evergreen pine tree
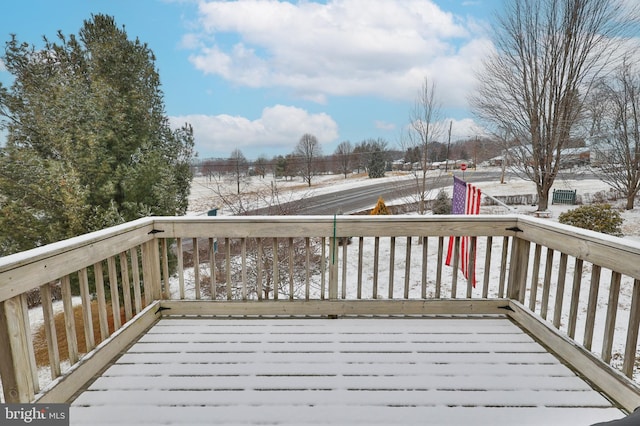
<point>376,164</point>
<point>89,144</point>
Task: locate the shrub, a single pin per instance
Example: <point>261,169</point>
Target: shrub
<point>599,197</point>
<point>442,203</point>
<point>380,208</point>
<point>596,217</point>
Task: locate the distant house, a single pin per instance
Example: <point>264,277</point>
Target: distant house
<point>496,161</point>
<point>569,157</point>
<point>397,165</point>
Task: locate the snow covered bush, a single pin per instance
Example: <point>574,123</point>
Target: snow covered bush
<point>596,217</point>
<point>442,203</point>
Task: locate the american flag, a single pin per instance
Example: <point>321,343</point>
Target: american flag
<point>466,200</point>
<point>459,196</point>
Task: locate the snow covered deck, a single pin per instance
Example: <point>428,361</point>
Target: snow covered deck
<point>363,332</point>
<point>454,371</point>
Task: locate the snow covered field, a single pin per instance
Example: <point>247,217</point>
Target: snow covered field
<point>204,192</point>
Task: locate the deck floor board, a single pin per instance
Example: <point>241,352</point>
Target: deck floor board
<point>349,371</point>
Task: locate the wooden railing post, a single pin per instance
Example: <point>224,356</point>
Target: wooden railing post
<point>518,267</point>
<point>17,360</point>
<point>151,271</point>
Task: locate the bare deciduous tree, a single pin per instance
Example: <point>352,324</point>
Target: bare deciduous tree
<point>548,54</point>
<point>425,127</point>
<point>261,166</point>
<point>616,118</point>
<point>361,153</point>
<point>308,151</point>
<point>238,167</point>
<point>264,198</point>
<point>344,157</point>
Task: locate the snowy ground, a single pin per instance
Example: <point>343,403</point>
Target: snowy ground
<point>204,192</point>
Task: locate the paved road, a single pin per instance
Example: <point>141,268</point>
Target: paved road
<point>362,198</point>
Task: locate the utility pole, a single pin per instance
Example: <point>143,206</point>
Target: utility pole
<point>446,160</point>
<point>475,153</point>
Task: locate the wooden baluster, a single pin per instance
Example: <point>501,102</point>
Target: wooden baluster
<point>425,265</point>
<point>244,269</point>
<point>291,269</point>
<point>126,286</point>
<point>471,265</point>
<point>50,330</point>
<point>632,332</point>
<point>456,264</point>
<point>323,268</point>
<point>392,264</point>
<point>196,267</point>
<point>575,298</point>
<point>276,271</point>
<point>407,268</point>
<point>439,267</point>
<point>503,267</point>
<point>333,268</point>
<point>180,255</point>
<point>135,273</point>
<point>610,321</point>
<point>307,281</point>
<point>535,276</point>
<point>259,256</point>
<point>360,262</point>
<point>69,319</point>
<point>102,302</point>
<point>592,306</point>
<point>562,275</point>
<point>165,269</point>
<point>115,296</point>
<point>87,316</point>
<point>212,268</point>
<point>376,258</point>
<point>345,243</point>
<point>546,286</point>
<point>487,267</point>
<point>227,245</point>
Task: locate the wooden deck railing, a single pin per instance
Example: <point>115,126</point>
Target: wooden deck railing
<point>584,284</point>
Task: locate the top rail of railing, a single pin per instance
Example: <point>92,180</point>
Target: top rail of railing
<point>29,269</point>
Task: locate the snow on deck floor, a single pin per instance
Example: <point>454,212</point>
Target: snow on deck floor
<point>437,371</point>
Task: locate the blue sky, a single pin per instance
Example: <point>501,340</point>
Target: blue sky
<point>257,75</point>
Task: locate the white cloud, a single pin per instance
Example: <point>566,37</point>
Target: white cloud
<point>190,41</point>
<point>383,125</point>
<point>463,129</point>
<point>2,67</point>
<point>277,131</point>
<point>341,48</point>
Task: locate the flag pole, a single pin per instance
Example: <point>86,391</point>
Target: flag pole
<point>512,209</point>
